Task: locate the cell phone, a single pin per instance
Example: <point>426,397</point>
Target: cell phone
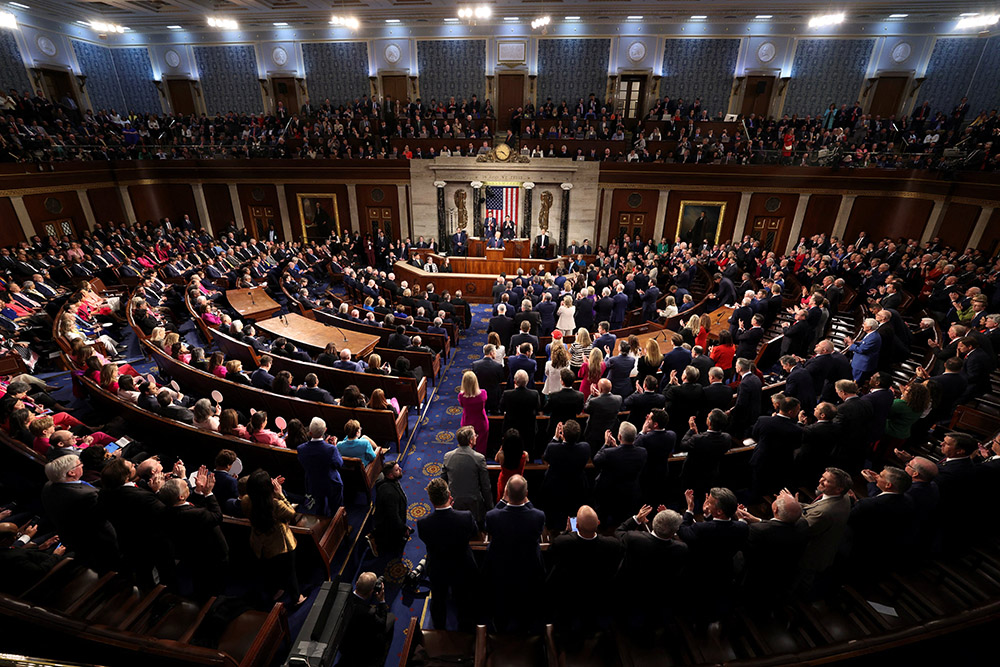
<point>112,447</point>
<point>572,523</point>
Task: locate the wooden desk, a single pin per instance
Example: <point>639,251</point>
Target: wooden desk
<point>720,320</point>
<point>253,303</point>
<point>512,249</point>
<point>476,282</point>
<point>314,336</point>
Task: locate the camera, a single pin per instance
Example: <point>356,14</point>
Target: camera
<point>379,585</point>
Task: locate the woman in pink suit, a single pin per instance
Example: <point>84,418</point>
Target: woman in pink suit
<point>473,402</point>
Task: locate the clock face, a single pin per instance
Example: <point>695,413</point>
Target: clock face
<point>901,52</point>
<point>392,53</point>
<point>172,58</point>
<point>503,151</point>
<point>636,51</point>
<point>46,46</point>
<point>766,52</point>
<point>279,56</point>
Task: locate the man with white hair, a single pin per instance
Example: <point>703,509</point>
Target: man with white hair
<point>865,349</point>
<point>774,548</point>
<point>520,406</point>
<point>346,364</point>
<point>72,505</point>
<point>619,464</point>
<point>322,462</point>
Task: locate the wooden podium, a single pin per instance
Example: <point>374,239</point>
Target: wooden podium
<point>513,249</point>
<point>495,254</point>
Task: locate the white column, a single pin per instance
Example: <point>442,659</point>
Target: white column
<point>661,213</point>
<point>404,212</point>
<point>800,214</point>
<point>127,203</point>
<point>843,215</point>
<point>980,228</point>
<point>933,222</point>
<point>286,223</point>
<point>352,206</point>
<point>604,223</point>
<point>22,216</point>
<point>202,207</point>
<point>88,212</point>
<point>234,197</point>
<point>741,217</point>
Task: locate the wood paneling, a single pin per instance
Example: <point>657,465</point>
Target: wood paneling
<point>888,216</point>
<point>380,199</point>
<point>343,209</point>
<point>957,224</point>
<point>220,206</point>
<point>510,96</point>
<point>107,205</point>
<point>820,216</point>
<point>10,231</point>
<point>782,216</point>
<point>644,210</point>
<point>65,206</point>
<point>163,200</point>
<point>732,200</point>
<point>253,195</point>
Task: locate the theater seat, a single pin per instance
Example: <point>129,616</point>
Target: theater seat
<point>510,650</point>
<point>241,634</point>
<point>448,644</point>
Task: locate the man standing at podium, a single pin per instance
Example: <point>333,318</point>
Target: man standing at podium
<point>460,243</point>
<point>496,241</point>
<point>543,245</point>
<point>509,232</point>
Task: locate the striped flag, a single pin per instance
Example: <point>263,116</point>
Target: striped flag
<point>502,202</point>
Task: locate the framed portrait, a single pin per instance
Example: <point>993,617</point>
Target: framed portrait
<point>700,221</point>
<point>318,215</point>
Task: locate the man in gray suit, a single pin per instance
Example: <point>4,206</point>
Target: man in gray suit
<point>466,474</point>
<point>826,518</point>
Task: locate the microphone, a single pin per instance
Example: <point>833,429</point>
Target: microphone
<point>250,294</point>
<point>341,331</point>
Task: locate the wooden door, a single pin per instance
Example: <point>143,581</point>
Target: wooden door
<point>380,218</point>
<point>260,219</point>
<point>510,96</point>
<point>767,230</point>
<point>181,97</point>
<point>633,224</point>
<point>888,95</point>
<point>57,228</point>
<point>757,98</point>
<point>394,86</point>
<point>57,84</point>
<point>631,94</point>
<point>286,91</point>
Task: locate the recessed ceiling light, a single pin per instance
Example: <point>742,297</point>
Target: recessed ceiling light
<point>763,17</point>
<point>572,18</point>
<point>392,20</point>
<point>898,16</point>
<point>634,18</point>
<point>511,18</point>
<point>279,24</point>
<point>18,5</point>
<point>698,17</point>
<point>175,27</point>
<point>450,20</point>
<point>969,14</point>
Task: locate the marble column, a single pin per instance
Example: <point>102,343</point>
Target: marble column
<point>286,223</point>
<point>659,224</point>
<point>22,216</point>
<point>404,213</point>
<point>234,198</point>
<point>352,209</point>
<point>201,205</point>
<point>443,240</point>
<point>933,222</point>
<point>477,208</point>
<point>529,189</point>
<point>843,215</point>
<point>127,203</point>
<point>797,219</point>
<point>564,218</point>
<point>741,217</point>
<point>980,228</point>
<point>88,212</point>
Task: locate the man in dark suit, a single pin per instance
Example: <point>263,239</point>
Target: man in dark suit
<point>725,290</point>
<point>797,336</point>
<point>194,526</point>
<point>398,340</point>
<point>705,452</point>
<point>620,305</point>
<point>777,437</point>
<point>619,370</point>
<point>603,409</point>
<point>854,417</point>
<point>524,336</point>
<point>773,550</point>
<point>565,404</point>
<point>703,363</point>
<point>976,367</point>
<point>166,407</point>
<point>605,340</point>
<point>717,394</point>
<point>546,309</point>
<point>684,399</point>
<point>460,243</point>
<point>659,444</point>
<point>368,633</point>
<point>880,397</point>
<point>514,555</point>
<point>819,440</point>
<point>490,374</point>
<point>747,340</point>
<point>604,306</point>
<point>451,567</point>
<point>649,299</point>
<point>945,389</point>
<point>543,245</point>
<point>619,464</point>
<point>322,463</point>
<point>311,391</point>
<point>520,406</point>
<point>651,545</point>
<point>522,361</point>
<point>644,400</point>
<point>565,483</point>
<point>826,368</point>
<point>745,412</point>
<point>582,556</point>
<point>533,318</point>
<point>798,382</point>
<point>72,506</point>
<point>882,525</point>
<point>503,325</point>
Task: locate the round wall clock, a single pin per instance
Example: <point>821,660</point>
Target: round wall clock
<point>279,56</point>
<point>901,52</point>
<point>636,51</point>
<point>766,52</point>
<point>392,53</point>
<point>46,45</point>
<point>172,58</point>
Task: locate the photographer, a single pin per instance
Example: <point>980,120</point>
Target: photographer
<point>369,631</point>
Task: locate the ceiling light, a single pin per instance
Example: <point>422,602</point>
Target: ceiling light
<point>511,18</point>
<point>825,20</point>
<point>225,24</point>
<point>8,20</point>
<point>634,18</point>
<point>483,12</point>
<point>698,17</point>
<point>450,20</point>
<point>280,24</point>
<point>969,14</point>
<point>763,17</point>
<point>18,5</point>
<point>392,20</point>
<point>175,27</point>
<point>100,26</point>
<point>978,21</point>
<point>540,22</point>
<point>346,21</point>
<point>898,16</point>
<point>572,18</point>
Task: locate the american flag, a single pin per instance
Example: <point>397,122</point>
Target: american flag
<point>502,202</point>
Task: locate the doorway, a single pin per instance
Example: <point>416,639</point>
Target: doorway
<point>767,229</point>
<point>181,96</point>
<point>757,98</point>
<point>286,91</point>
<point>888,95</point>
<point>631,93</point>
<point>510,96</point>
<point>633,224</point>
<point>261,218</point>
<point>394,86</point>
<point>57,228</point>
<point>380,218</point>
<point>56,85</point>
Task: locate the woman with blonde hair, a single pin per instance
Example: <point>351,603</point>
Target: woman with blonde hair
<point>565,314</point>
<point>670,309</point>
<point>580,349</point>
<point>691,329</point>
<point>649,363</point>
<point>473,402</point>
<point>553,367</point>
<point>592,371</point>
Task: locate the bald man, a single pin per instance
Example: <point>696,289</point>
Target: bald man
<point>583,569</point>
<point>369,631</point>
<point>603,408</point>
<point>774,548</point>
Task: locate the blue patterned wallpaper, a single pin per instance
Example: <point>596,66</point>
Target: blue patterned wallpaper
<point>825,71</point>
<point>228,77</point>
<point>949,72</point>
<point>336,70</point>
<point>102,80</point>
<point>985,93</point>
<point>451,68</point>
<point>12,73</point>
<point>700,68</point>
<point>135,74</point>
<point>572,68</point>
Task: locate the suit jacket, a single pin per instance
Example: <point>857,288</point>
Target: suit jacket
<point>535,319</point>
<point>491,376</point>
<point>563,405</point>
<point>617,484</point>
<point>520,406</point>
<point>618,371</point>
<point>713,544</point>
<point>797,338</point>
<point>881,402</point>
<point>565,483</point>
<point>365,637</point>
<point>748,401</point>
<point>603,308</point>
<point>826,369</point>
<point>466,474</point>
<point>547,311</point>
<point>322,463</point>
<point>703,363</point>
<point>514,552</point>
<point>814,454</point>
<point>717,395</point>
<point>641,404</point>
<point>659,445</point>
<point>574,560</point>
<point>866,353</point>
<point>644,553</point>
<point>826,519</point>
<point>882,528</point>
<point>774,549</point>
<point>777,439</point>
<point>317,394</point>
<point>603,410</point>
<point>504,326</point>
<point>82,526</point>
<point>195,530</point>
<point>518,338</point>
<point>799,384</point>
<point>705,451</point>
<point>446,534</point>
<point>854,416</point>
<point>684,401</point>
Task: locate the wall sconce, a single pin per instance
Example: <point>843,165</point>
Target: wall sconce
<point>81,80</point>
<point>159,88</point>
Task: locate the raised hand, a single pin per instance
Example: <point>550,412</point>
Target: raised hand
<point>642,516</point>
